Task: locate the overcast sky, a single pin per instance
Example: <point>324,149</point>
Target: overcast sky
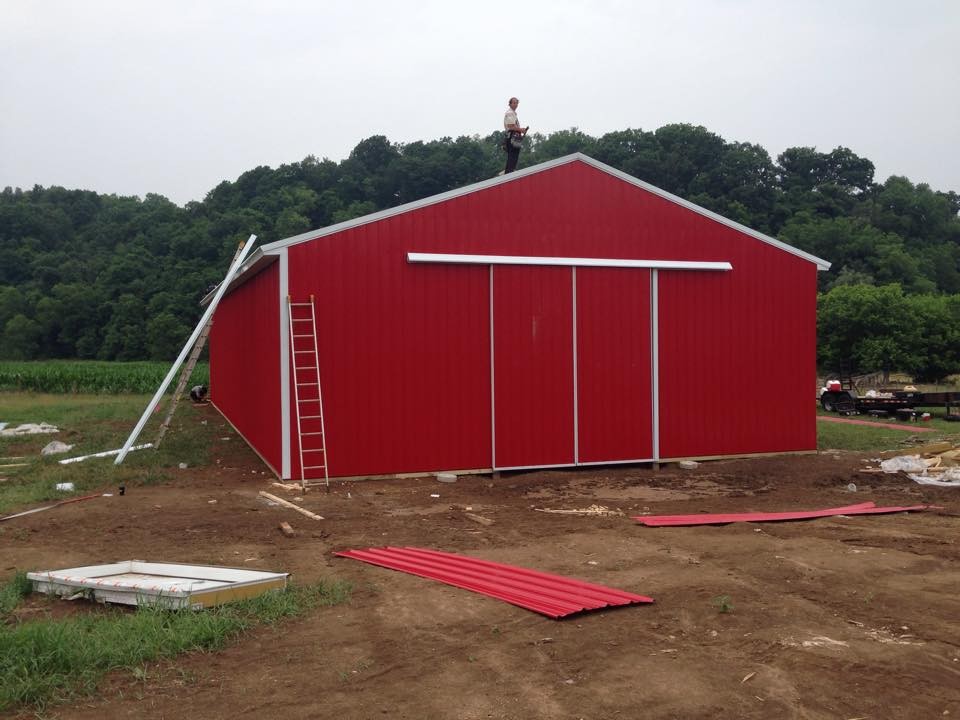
<point>173,97</point>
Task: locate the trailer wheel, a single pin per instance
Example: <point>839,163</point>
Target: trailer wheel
<point>828,402</point>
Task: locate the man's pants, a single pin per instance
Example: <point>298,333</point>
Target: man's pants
<point>513,154</point>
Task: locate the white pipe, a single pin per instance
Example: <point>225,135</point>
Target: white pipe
<point>238,261</point>
<point>105,453</point>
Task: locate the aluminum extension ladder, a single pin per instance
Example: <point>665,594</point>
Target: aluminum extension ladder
<point>308,398</point>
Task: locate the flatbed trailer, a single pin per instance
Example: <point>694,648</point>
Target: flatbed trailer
<point>890,402</point>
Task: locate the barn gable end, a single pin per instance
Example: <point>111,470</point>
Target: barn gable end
<point>485,364</point>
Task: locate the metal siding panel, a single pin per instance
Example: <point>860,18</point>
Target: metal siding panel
<point>404,354</point>
<point>533,357</point>
<point>737,357</point>
<point>555,596</point>
<point>613,364</point>
<point>245,363</point>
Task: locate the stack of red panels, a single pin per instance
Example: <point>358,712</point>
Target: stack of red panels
<point>551,595</point>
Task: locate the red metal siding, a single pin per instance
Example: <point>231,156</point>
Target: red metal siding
<point>737,357</point>
<point>405,353</point>
<point>615,417</point>
<point>533,365</point>
<point>245,362</point>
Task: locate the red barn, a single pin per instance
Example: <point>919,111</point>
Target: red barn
<point>566,314</point>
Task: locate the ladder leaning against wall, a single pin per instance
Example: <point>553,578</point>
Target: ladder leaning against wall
<point>308,399</point>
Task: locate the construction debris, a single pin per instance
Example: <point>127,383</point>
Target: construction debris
<point>29,429</point>
<point>592,510</point>
<point>288,504</point>
<point>287,530</point>
<point>105,453</point>
<point>51,507</point>
<point>55,447</point>
<point>478,519</point>
<point>867,508</point>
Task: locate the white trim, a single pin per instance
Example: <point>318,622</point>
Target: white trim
<point>655,360</point>
<point>284,366</point>
<point>576,385</point>
<point>543,167</point>
<point>493,387</point>
<point>616,462</point>
<point>535,467</point>
<point>415,257</point>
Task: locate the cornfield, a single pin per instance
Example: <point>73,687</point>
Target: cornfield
<point>89,376</point>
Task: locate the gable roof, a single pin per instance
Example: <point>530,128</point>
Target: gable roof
<point>271,248</point>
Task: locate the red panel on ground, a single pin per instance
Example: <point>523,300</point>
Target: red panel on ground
<point>551,595</point>
<point>867,508</point>
<point>533,365</point>
<point>614,409</point>
<point>849,421</point>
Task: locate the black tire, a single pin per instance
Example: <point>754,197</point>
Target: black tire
<point>828,402</point>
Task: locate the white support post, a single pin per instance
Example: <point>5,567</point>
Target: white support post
<point>238,261</point>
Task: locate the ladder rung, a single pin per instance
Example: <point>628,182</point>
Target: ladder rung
<point>308,400</point>
<point>304,351</point>
<point>303,336</point>
<point>305,367</point>
<point>300,384</point>
<point>313,467</point>
<point>313,450</point>
<point>306,304</point>
<point>301,319</point>
<point>310,433</point>
<point>311,417</point>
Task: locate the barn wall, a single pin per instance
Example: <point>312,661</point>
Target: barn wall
<point>405,348</point>
<point>245,363</point>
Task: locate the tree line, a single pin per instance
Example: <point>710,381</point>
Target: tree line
<point>88,275</point>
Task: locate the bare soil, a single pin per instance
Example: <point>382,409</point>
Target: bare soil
<point>853,617</point>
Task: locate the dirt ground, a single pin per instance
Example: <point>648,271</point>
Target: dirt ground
<point>854,617</point>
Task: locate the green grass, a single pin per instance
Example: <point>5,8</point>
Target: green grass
<point>48,661</point>
<point>837,436</point>
<point>91,376</point>
<point>93,423</point>
<point>12,593</point>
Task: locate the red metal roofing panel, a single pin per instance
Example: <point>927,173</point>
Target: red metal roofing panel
<point>867,508</point>
<point>912,428</point>
<point>551,595</point>
<point>533,365</point>
<point>614,398</point>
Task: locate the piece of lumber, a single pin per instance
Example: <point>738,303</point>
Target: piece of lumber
<point>478,518</point>
<point>287,530</point>
<point>288,504</point>
<point>13,465</point>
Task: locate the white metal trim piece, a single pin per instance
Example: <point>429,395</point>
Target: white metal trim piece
<point>576,384</point>
<point>465,259</point>
<point>493,387</point>
<point>543,167</point>
<point>536,467</point>
<point>617,462</point>
<point>655,360</point>
<point>285,464</point>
